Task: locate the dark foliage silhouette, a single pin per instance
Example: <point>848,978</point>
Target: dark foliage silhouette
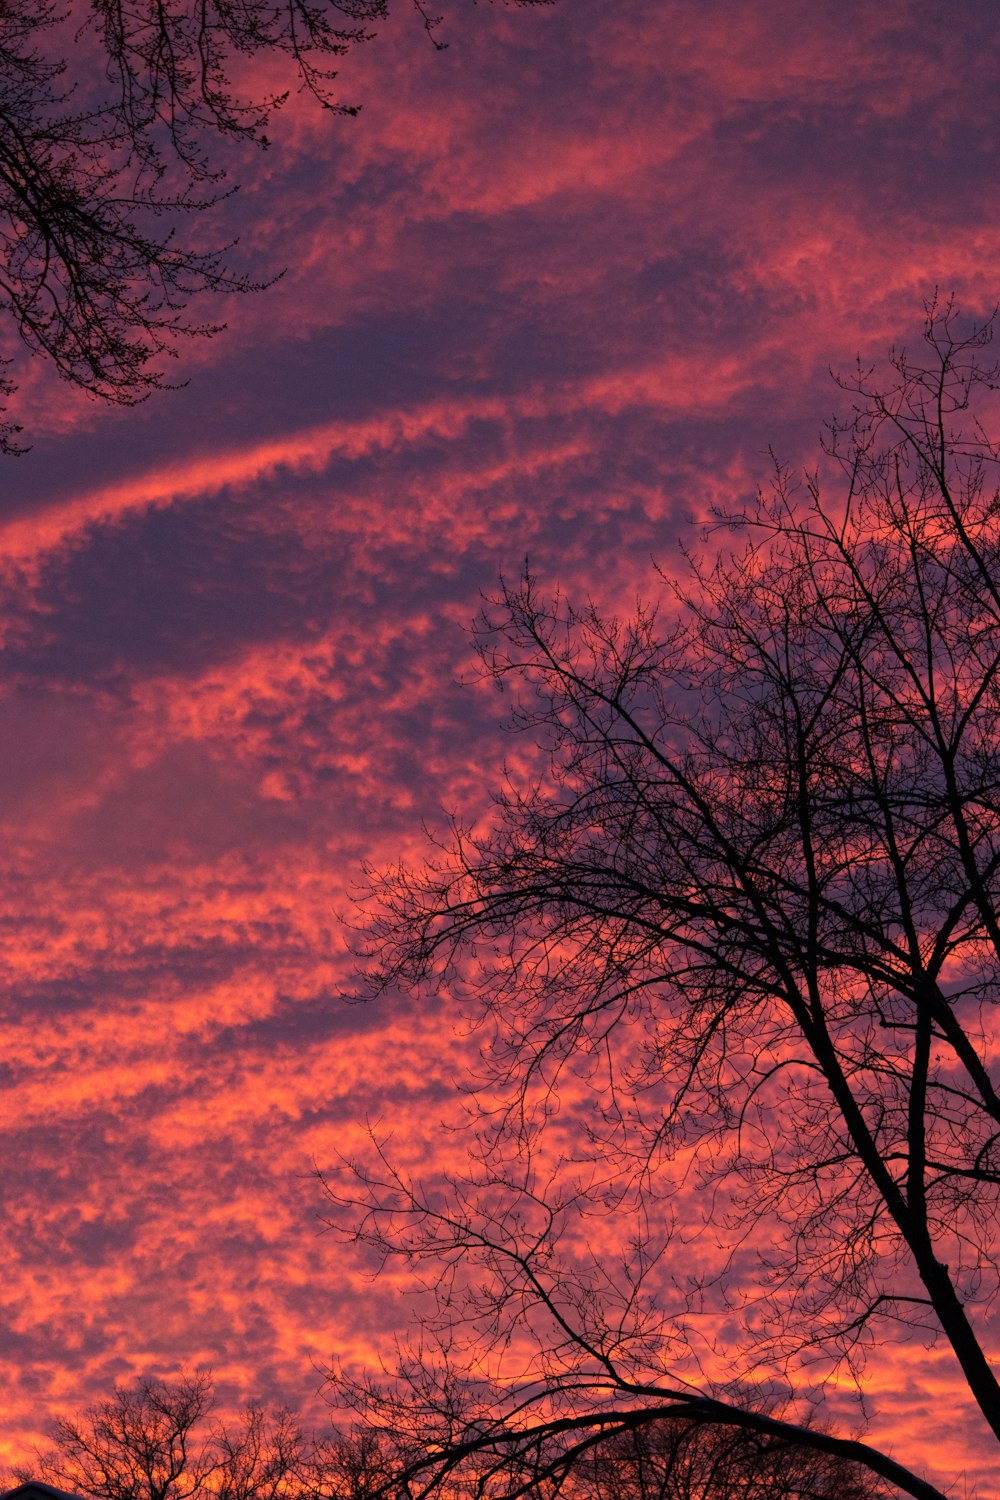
<point>735,957</point>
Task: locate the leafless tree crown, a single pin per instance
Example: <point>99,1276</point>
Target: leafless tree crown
<point>159,1440</point>
<point>735,957</point>
<point>114,123</point>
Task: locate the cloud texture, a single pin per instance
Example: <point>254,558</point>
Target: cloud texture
<point>554,293</point>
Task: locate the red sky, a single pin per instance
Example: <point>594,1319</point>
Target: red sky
<point>553,293</point>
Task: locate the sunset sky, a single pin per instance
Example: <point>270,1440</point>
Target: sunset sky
<point>554,293</point>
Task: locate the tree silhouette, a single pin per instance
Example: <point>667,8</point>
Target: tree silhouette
<point>158,1440</point>
<point>98,174</point>
<point>680,1460</point>
<point>735,956</point>
<point>668,1460</point>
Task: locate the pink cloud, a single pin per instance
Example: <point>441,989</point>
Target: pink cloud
<point>553,294</point>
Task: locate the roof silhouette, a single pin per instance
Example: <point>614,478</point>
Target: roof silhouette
<point>37,1489</point>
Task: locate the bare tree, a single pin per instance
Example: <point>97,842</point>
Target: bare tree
<point>349,1466</point>
<point>158,1440</point>
<point>668,1460</point>
<point>680,1460</point>
<point>97,175</point>
<point>735,956</point>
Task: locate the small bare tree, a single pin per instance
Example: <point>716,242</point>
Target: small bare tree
<point>736,955</point>
<point>158,1440</point>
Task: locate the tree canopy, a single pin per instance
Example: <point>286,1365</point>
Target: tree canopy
<point>735,957</point>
